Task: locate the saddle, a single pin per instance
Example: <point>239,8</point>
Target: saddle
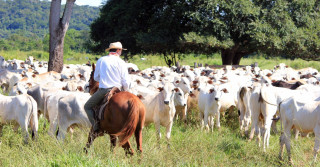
<point>100,108</point>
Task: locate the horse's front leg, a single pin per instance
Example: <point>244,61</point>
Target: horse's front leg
<point>91,138</point>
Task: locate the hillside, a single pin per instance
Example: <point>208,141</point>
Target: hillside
<point>31,17</point>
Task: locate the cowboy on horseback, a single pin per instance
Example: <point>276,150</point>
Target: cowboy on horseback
<point>110,71</point>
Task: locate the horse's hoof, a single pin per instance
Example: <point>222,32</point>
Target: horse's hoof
<point>85,150</point>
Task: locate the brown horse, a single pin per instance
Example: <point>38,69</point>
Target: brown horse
<point>123,116</point>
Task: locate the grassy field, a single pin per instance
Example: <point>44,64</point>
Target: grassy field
<point>189,146</point>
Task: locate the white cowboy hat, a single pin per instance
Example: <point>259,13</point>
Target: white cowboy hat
<point>115,45</point>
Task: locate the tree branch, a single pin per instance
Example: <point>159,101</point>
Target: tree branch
<point>54,17</point>
<point>67,13</point>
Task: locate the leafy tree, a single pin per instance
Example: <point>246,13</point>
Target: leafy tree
<point>234,28</point>
<point>289,28</point>
<point>224,25</point>
<point>141,25</point>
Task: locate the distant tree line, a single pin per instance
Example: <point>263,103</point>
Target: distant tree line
<point>234,28</point>
<point>24,25</point>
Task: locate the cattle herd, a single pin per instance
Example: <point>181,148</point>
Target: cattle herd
<point>261,97</point>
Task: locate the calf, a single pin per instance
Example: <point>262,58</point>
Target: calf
<point>160,107</point>
<point>21,109</point>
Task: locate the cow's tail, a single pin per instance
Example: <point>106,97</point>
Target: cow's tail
<point>279,117</point>
<point>45,107</point>
<point>243,90</point>
<point>130,124</point>
<point>33,121</point>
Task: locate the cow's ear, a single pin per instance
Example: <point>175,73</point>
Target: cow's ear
<point>211,90</point>
<point>29,84</point>
<point>224,78</point>
<point>160,89</point>
<point>80,88</point>
<point>176,89</point>
<point>255,79</point>
<point>225,90</point>
<point>140,97</point>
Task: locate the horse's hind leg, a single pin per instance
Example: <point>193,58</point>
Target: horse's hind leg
<point>138,136</point>
<point>127,148</point>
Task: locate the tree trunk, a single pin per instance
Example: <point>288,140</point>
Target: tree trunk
<point>231,56</point>
<point>236,59</point>
<point>58,28</point>
<point>227,56</point>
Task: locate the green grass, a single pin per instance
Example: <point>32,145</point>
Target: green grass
<point>157,60</point>
<point>189,146</point>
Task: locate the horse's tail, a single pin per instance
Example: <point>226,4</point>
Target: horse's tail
<point>130,125</point>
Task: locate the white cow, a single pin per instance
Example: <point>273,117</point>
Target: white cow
<point>51,107</point>
<point>184,84</point>
<point>271,98</point>
<point>71,112</point>
<point>20,109</point>
<point>304,115</point>
<point>160,106</point>
<point>244,108</point>
<point>209,105</point>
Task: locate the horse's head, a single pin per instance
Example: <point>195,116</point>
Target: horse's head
<point>93,85</point>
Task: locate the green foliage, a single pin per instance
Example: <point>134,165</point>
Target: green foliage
<point>142,25</point>
<point>32,17</point>
<point>234,28</point>
<point>289,28</point>
<point>24,26</point>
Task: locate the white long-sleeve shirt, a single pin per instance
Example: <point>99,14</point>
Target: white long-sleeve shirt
<point>111,71</point>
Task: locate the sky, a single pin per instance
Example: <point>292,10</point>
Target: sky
<point>86,2</point>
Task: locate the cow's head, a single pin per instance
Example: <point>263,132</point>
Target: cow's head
<point>218,92</point>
